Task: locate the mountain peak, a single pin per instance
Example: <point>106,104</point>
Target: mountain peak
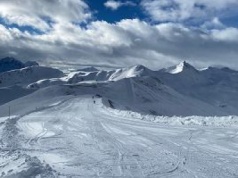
<point>139,70</point>
<point>10,63</point>
<point>181,67</point>
<point>139,67</point>
<point>185,64</point>
<point>9,59</point>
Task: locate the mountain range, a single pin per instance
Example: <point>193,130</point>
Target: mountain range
<point>180,90</point>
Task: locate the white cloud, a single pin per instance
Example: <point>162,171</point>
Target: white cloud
<point>36,13</point>
<point>226,35</point>
<point>114,5</point>
<point>127,42</point>
<point>215,23</point>
<point>180,10</point>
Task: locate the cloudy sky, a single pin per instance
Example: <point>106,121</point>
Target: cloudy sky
<point>155,33</point>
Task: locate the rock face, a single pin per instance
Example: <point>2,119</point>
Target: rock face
<point>31,63</point>
<point>10,63</point>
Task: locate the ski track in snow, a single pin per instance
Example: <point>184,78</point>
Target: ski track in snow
<point>80,138</point>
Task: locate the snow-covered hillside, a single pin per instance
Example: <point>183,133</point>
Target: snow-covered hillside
<point>28,75</point>
<point>129,122</point>
<point>14,83</point>
<point>180,90</point>
<point>63,135</point>
<point>10,63</point>
<point>215,86</point>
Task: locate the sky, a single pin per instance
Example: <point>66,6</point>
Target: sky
<point>119,33</point>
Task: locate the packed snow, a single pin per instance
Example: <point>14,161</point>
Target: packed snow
<point>129,122</point>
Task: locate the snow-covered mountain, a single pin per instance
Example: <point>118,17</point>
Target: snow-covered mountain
<point>178,90</point>
<point>10,63</point>
<point>182,67</point>
<point>93,74</point>
<point>28,75</point>
<point>213,91</point>
<point>216,86</point>
<point>14,83</point>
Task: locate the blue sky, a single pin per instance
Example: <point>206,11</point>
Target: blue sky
<point>101,12</point>
<point>154,33</point>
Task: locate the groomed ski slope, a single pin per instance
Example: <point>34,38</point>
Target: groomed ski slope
<point>80,137</point>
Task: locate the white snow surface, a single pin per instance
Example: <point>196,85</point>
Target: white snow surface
<point>130,122</point>
<point>80,138</point>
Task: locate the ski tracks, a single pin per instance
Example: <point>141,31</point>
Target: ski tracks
<point>101,144</point>
<point>126,163</point>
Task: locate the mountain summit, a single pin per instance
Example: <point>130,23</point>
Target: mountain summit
<point>10,63</point>
<point>181,67</point>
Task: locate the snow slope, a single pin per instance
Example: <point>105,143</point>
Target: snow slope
<point>215,86</point>
<point>80,137</point>
<point>149,96</point>
<point>17,83</point>
<point>13,92</point>
<point>28,75</point>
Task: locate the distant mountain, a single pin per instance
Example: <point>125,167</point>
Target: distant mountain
<point>216,86</point>
<point>10,63</point>
<point>178,90</point>
<point>91,74</point>
<point>28,75</point>
<point>202,92</point>
<point>182,67</point>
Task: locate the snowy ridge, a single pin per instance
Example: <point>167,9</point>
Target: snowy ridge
<point>92,74</point>
<point>215,121</point>
<point>28,75</point>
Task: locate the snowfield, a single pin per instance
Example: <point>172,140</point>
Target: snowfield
<point>80,137</point>
<point>130,122</point>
